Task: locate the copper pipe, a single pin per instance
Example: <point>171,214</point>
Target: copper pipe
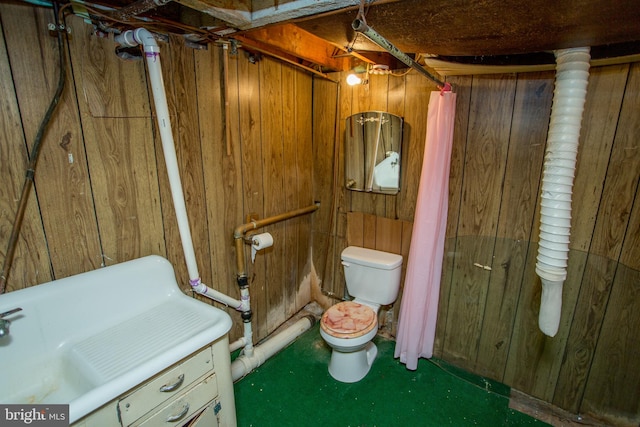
<point>33,158</point>
<point>241,230</point>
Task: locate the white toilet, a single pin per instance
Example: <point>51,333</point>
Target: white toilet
<point>373,279</point>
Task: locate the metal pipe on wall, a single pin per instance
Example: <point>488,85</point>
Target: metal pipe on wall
<point>241,230</point>
<point>360,26</point>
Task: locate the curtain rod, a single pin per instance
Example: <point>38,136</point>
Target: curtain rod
<point>360,26</point>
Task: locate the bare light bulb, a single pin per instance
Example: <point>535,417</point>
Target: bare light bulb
<point>353,80</point>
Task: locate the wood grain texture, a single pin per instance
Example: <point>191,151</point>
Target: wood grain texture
<point>271,111</point>
<point>62,176</point>
<point>611,225</point>
<point>487,218</point>
<point>602,106</point>
<point>303,143</point>
<point>615,371</point>
<point>463,86</point>
<point>30,266</point>
<point>485,161</point>
<point>249,94</point>
<point>518,204</point>
<point>223,182</point>
<point>180,82</point>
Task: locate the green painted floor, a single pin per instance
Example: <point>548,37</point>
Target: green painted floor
<point>294,389</point>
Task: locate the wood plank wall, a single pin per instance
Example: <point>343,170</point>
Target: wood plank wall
<point>102,195</point>
<point>487,319</point>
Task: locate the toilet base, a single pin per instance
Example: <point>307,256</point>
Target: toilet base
<point>354,366</point>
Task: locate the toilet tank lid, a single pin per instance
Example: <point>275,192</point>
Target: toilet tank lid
<point>371,258</point>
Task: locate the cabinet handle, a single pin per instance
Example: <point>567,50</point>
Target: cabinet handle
<point>178,417</point>
<point>172,387</point>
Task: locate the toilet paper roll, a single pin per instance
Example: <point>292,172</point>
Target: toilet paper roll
<point>259,242</point>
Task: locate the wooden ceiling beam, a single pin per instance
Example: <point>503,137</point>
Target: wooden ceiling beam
<point>242,15</point>
<point>297,42</point>
<point>257,46</point>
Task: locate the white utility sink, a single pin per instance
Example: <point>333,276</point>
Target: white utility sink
<point>86,339</point>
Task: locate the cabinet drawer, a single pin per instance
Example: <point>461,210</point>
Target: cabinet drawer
<point>178,411</point>
<point>167,385</point>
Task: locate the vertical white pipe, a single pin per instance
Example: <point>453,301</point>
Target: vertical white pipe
<point>572,75</point>
<point>152,53</point>
<point>252,357</point>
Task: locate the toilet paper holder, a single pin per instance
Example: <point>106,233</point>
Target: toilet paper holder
<point>259,242</point>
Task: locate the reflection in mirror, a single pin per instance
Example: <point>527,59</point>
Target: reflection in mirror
<point>372,152</point>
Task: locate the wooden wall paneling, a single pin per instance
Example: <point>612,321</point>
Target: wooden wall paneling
<point>223,182</point>
<point>111,87</point>
<point>395,105</point>
<point>326,163</point>
<point>519,197</point>
<point>490,119</point>
<point>608,391</point>
<point>462,86</point>
<point>630,255</point>
<point>120,151</point>
<point>535,359</point>
<point>388,235</point>
<point>612,222</point>
<point>247,86</point>
<point>125,185</point>
<point>416,103</point>
<point>407,229</point>
<point>369,231</point>
<point>369,97</point>
<point>612,387</point>
<point>290,190</point>
<point>388,239</point>
<point>180,86</point>
<point>271,110</point>
<point>303,143</point>
<point>599,123</point>
<point>30,264</point>
<point>343,197</point>
<point>62,177</point>
<point>355,229</point>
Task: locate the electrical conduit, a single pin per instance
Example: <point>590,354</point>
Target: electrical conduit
<point>572,75</point>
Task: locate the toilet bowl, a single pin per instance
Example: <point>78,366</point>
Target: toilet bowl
<point>373,278</point>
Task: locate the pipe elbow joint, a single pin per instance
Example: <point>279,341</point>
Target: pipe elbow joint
<point>126,39</point>
<point>139,36</point>
<point>199,287</point>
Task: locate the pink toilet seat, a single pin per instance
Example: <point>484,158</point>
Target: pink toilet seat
<point>348,319</point>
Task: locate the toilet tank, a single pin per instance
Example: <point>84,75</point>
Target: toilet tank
<point>372,275</point>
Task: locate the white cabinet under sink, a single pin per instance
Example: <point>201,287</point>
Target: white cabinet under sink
<point>197,390</point>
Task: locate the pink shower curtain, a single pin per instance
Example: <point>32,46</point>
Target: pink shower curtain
<point>419,307</point>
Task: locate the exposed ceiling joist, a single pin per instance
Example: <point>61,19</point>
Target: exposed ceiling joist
<point>297,42</point>
<point>244,15</point>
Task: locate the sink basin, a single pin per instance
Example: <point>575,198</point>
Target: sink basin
<point>86,339</point>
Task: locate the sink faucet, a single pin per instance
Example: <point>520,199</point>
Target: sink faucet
<point>5,323</point>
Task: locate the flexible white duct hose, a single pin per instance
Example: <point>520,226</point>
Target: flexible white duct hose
<point>572,76</point>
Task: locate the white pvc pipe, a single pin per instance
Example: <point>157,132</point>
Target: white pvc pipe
<point>143,37</point>
<point>572,75</point>
<point>245,364</point>
<point>252,357</point>
<point>237,344</point>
